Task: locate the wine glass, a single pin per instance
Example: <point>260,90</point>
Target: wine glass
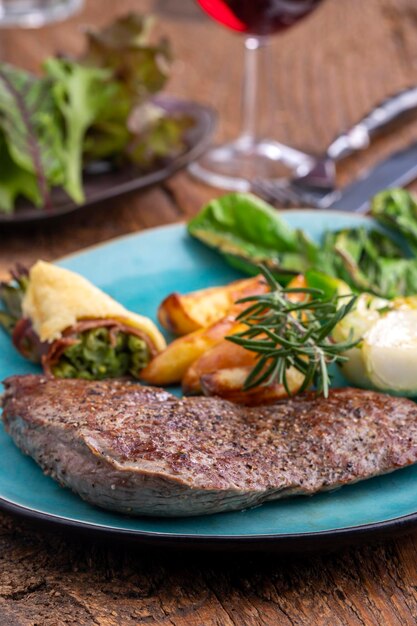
<point>253,154</point>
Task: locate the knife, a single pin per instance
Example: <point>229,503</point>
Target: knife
<point>397,170</point>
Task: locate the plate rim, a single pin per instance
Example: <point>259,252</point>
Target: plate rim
<point>295,541</point>
<point>183,222</point>
<point>401,523</point>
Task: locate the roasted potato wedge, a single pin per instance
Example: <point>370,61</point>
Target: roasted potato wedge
<point>174,364</point>
<point>298,282</point>
<point>224,355</point>
<point>222,366</point>
<point>183,314</point>
<point>170,365</point>
<point>228,384</point>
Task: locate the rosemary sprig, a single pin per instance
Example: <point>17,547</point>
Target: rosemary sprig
<point>288,331</point>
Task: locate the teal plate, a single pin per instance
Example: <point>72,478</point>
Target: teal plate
<point>140,270</point>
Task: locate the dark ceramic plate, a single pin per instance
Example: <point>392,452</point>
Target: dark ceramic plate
<point>112,183</point>
<point>140,270</point>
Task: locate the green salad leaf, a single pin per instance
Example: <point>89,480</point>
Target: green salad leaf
<point>367,260</point>
<point>398,277</point>
<point>109,134</point>
<point>397,210</point>
<point>133,125</point>
<point>11,298</point>
<point>80,93</point>
<point>125,50</point>
<point>15,181</point>
<point>83,110</point>
<point>248,232</point>
<point>156,136</point>
<point>30,126</point>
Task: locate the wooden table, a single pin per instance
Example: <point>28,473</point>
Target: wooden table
<point>329,71</point>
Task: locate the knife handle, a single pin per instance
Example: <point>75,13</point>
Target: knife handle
<point>374,123</point>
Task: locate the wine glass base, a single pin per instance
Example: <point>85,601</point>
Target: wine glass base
<point>235,165</point>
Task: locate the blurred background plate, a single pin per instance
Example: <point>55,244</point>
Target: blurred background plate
<point>112,183</point>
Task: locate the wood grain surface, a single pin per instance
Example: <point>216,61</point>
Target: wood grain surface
<point>327,72</point>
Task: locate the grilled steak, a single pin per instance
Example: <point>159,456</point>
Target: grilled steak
<point>140,450</point>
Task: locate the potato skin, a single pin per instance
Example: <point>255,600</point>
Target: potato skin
<point>223,369</point>
<point>228,384</point>
<point>224,355</point>
<point>170,365</point>
<point>298,282</point>
<point>183,314</point>
<point>203,360</point>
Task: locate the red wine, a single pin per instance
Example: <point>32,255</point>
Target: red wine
<point>258,17</point>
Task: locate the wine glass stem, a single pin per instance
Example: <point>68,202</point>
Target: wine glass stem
<point>255,97</point>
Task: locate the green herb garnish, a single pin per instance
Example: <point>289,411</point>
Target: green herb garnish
<point>285,333</point>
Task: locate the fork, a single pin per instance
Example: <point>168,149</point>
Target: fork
<point>315,182</point>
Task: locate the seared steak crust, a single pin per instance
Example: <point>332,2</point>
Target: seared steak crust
<point>140,450</point>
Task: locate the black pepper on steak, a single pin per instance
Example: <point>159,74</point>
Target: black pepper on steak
<point>142,451</point>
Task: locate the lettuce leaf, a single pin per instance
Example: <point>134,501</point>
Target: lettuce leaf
<point>15,181</point>
<point>124,49</point>
<point>30,126</point>
<point>397,210</point>
<point>155,135</point>
<point>133,127</point>
<point>96,107</point>
<point>247,231</point>
<point>244,226</point>
<point>80,93</point>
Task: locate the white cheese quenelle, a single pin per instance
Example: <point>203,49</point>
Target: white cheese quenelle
<point>353,327</point>
<point>386,356</point>
<point>389,352</point>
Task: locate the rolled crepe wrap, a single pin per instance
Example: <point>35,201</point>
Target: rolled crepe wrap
<point>67,322</point>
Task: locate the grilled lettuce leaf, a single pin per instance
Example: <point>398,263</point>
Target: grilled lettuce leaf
<point>247,231</point>
<point>397,210</point>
